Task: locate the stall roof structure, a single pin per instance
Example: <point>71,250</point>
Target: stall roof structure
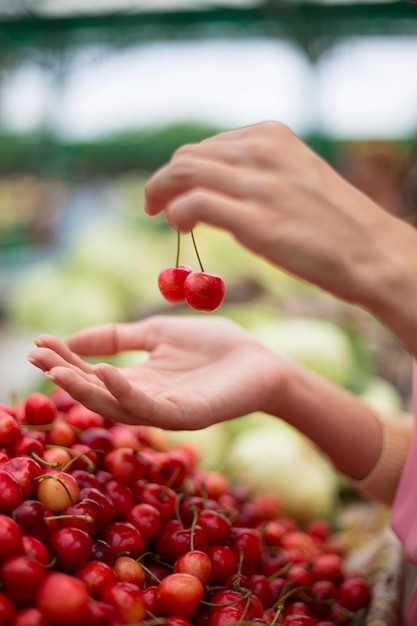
<point>313,25</point>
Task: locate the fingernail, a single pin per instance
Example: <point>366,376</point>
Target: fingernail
<point>50,377</point>
<point>38,342</point>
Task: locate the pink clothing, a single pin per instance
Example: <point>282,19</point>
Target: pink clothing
<point>404,509</point>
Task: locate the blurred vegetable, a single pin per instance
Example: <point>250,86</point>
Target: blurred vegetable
<point>319,345</point>
<point>272,457</point>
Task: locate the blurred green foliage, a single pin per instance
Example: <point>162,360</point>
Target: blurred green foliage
<point>146,149</point>
<point>137,150</point>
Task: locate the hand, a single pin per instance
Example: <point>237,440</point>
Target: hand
<point>280,200</point>
<point>200,371</point>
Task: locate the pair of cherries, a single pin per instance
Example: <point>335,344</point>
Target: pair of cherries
<point>200,290</point>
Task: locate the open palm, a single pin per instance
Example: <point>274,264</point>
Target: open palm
<point>200,371</point>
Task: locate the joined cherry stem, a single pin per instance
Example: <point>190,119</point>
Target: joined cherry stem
<point>177,260</point>
<point>196,251</point>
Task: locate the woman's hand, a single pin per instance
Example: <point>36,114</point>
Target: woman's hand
<point>281,201</point>
<point>200,371</point>
<point>203,370</point>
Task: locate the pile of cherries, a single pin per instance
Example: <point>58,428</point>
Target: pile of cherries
<point>106,524</point>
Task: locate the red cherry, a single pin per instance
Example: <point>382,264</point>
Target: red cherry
<point>259,585</point>
<point>149,598</point>
<point>216,525</point>
<point>324,594</point>
<point>180,541</point>
<point>24,469</point>
<point>171,283</point>
<point>123,436</point>
<point>224,563</point>
<point>195,562</point>
<point>299,575</point>
<point>124,537</point>
<point>28,446</point>
<point>62,400</point>
<point>296,608</point>
<point>36,549</point>
<point>30,616</point>
<point>97,577</point>
<point>327,567</point>
<point>225,616</point>
<point>300,620</point>
<point>9,429</point>
<point>203,291</point>
<point>101,551</point>
<point>107,509</point>
<point>78,416</point>
<point>102,614</point>
<point>63,599</point>
<point>85,514</point>
<point>85,479</point>
<point>161,497</point>
<point>124,464</point>
<point>10,492</point>
<point>248,543</point>
<point>354,593</point>
<point>128,570</point>
<point>39,409</point>
<point>168,468</point>
<point>128,599</point>
<point>61,434</point>
<point>121,497</point>
<point>97,438</point>
<point>11,537</point>
<point>7,610</point>
<point>179,594</point>
<point>177,620</point>
<point>241,602</point>
<point>147,519</point>
<point>72,548</point>
<point>189,506</point>
<point>21,577</point>
<point>319,529</point>
<point>30,517</point>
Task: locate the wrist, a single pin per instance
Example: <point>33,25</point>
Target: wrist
<point>339,423</point>
<point>390,282</point>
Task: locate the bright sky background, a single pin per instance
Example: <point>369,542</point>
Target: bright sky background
<point>360,88</point>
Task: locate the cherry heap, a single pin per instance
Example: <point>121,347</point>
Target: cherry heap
<point>104,524</point>
<point>200,290</point>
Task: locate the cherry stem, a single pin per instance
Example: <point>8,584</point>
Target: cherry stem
<point>84,455</point>
<point>196,251</point>
<point>193,524</point>
<point>86,518</point>
<point>178,248</point>
<point>42,461</point>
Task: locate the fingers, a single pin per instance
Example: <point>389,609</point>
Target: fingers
<point>131,400</point>
<point>191,172</point>
<point>214,209</point>
<point>114,397</point>
<point>108,339</point>
<point>140,407</point>
<point>50,352</point>
<point>105,339</point>
<point>95,397</point>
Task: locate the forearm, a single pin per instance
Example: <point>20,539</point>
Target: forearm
<point>339,423</point>
<point>386,278</point>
